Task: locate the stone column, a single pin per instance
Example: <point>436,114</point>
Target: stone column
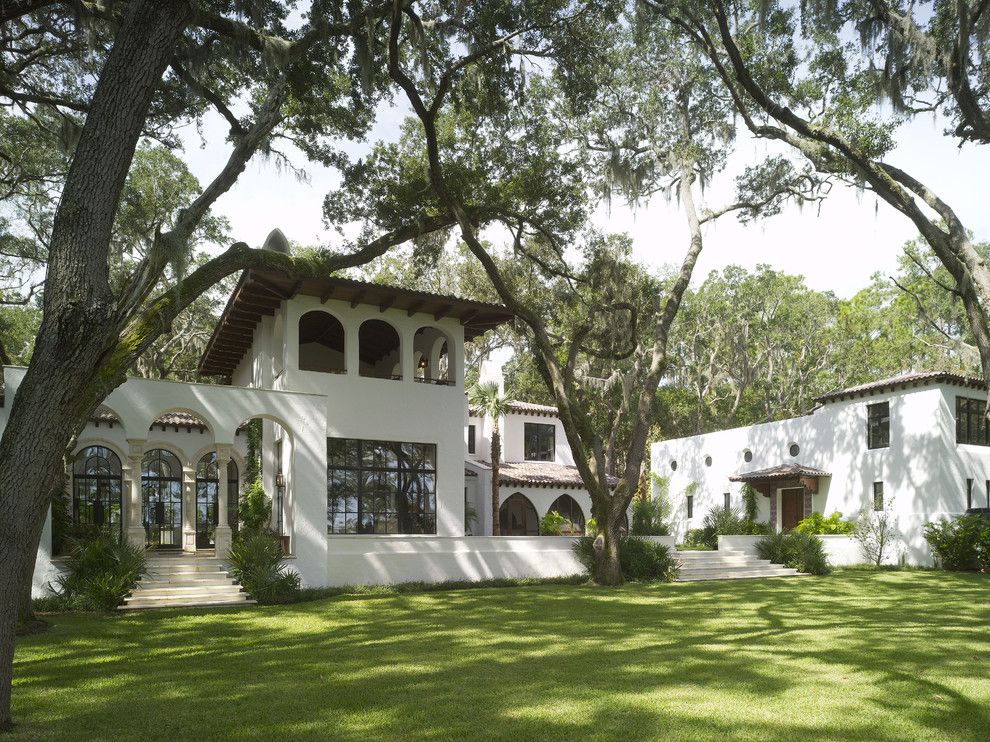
<point>188,509</point>
<point>222,534</point>
<point>133,525</point>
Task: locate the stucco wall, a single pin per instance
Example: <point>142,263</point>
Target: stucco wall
<point>922,469</point>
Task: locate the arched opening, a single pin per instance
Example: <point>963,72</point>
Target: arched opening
<point>321,343</point>
<point>567,506</point>
<point>161,499</point>
<point>378,350</point>
<point>517,517</point>
<point>96,489</point>
<point>430,347</point>
<point>207,495</point>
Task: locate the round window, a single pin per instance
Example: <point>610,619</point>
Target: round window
<point>673,466</point>
<point>708,460</point>
<point>795,449</point>
<point>747,455</point>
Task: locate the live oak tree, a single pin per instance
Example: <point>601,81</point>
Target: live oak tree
<point>794,78</point>
<point>474,155</point>
<point>103,78</point>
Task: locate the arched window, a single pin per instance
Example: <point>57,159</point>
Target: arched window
<point>568,507</point>
<point>321,343</point>
<point>96,488</point>
<point>378,350</point>
<point>433,362</point>
<point>161,498</point>
<point>517,517</point>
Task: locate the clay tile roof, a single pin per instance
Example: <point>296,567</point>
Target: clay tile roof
<point>177,419</point>
<point>531,408</point>
<point>919,378</point>
<point>542,474</point>
<point>261,292</point>
<point>782,471</point>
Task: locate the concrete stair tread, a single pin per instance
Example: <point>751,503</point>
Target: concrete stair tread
<point>727,565</point>
<point>187,604</point>
<point>742,576</point>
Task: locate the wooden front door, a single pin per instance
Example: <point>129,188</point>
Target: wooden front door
<point>791,507</point>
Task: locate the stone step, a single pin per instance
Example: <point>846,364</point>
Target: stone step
<point>190,578</point>
<point>710,554</point>
<point>153,590</point>
<point>725,560</point>
<point>737,570</point>
<point>187,603</point>
<point>185,569</point>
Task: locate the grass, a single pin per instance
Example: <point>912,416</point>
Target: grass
<point>859,655</point>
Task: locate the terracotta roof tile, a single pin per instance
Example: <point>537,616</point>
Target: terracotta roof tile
<point>782,471</point>
<point>542,473</point>
<point>920,378</point>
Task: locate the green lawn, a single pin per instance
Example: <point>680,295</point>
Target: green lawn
<point>858,655</point>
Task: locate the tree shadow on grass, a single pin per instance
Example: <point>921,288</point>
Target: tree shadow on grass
<point>856,656</point>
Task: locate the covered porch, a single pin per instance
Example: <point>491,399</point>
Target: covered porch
<point>790,489</point>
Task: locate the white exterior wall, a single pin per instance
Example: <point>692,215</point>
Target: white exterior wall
<point>923,469</point>
<point>513,437</point>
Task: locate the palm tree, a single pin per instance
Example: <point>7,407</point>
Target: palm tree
<point>492,403</point>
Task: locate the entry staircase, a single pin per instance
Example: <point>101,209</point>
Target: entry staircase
<point>728,564</point>
<point>181,580</point>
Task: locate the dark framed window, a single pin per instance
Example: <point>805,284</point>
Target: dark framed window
<point>471,439</point>
<point>207,494</point>
<point>728,500</point>
<point>96,488</point>
<point>540,441</point>
<point>381,486</point>
<point>568,507</point>
<point>971,422</point>
<point>690,506</point>
<point>988,494</point>
<point>878,496</point>
<point>969,493</point>
<point>795,449</point>
<point>878,425</point>
<point>161,495</point>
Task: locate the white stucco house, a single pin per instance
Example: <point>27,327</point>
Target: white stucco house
<point>366,446</point>
<point>916,444</point>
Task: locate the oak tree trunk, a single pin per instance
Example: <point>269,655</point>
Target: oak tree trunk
<point>66,379</point>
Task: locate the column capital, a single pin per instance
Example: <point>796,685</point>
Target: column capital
<point>224,454</point>
<point>135,447</point>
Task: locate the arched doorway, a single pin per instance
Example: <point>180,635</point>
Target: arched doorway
<point>568,507</point>
<point>207,492</point>
<point>161,499</point>
<point>517,517</point>
<point>378,350</point>
<point>321,343</point>
<point>96,488</point>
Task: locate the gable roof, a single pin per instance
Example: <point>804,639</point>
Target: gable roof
<point>261,292</point>
<point>905,381</point>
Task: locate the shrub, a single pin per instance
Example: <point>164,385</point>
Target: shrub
<point>983,548</point>
<point>750,510</point>
<point>876,533</point>
<point>591,527</point>
<point>552,524</point>
<point>818,524</point>
<point>256,560</point>
<point>102,569</point>
<point>801,551</point>
<point>641,559</point>
<point>694,538</point>
<point>649,516</point>
<point>255,507</point>
<point>727,522</point>
<point>956,543</point>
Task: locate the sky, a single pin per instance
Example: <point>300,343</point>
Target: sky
<point>837,245</point>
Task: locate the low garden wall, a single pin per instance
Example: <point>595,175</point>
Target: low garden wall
<point>374,560</point>
<point>842,551</point>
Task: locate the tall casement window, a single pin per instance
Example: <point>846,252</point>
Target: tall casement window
<point>207,494</point>
<point>971,421</point>
<point>969,493</point>
<point>540,441</point>
<point>471,439</point>
<point>878,425</point>
<point>690,506</point>
<point>96,487</point>
<point>988,494</point>
<point>161,490</point>
<point>728,500</point>
<point>878,496</point>
<point>381,487</point>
